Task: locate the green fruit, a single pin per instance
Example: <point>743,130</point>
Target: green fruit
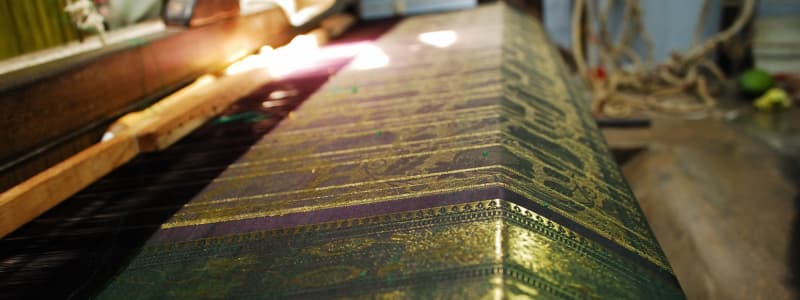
<point>755,82</point>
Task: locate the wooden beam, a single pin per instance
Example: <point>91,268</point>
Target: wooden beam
<point>152,129</point>
<point>33,197</point>
<point>184,112</point>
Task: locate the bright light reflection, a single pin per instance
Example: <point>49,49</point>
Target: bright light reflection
<point>371,57</point>
<point>303,52</point>
<point>439,39</point>
<point>204,80</point>
<point>236,56</point>
<point>274,103</point>
<point>278,98</point>
<point>265,50</point>
<point>282,94</point>
<point>108,135</point>
<point>298,54</point>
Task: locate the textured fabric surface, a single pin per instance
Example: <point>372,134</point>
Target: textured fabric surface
<point>76,247</point>
<point>429,167</point>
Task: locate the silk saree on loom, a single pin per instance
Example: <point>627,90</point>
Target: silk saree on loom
<point>463,169</point>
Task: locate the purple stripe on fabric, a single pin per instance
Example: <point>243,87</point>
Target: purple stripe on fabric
<point>319,216</point>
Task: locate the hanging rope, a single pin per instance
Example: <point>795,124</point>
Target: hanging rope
<point>632,83</point>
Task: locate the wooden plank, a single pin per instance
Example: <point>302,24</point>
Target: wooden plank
<point>627,138</point>
<point>184,112</point>
<point>33,197</point>
<point>722,199</point>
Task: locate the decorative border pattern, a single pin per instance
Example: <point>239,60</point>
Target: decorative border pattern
<point>347,244</point>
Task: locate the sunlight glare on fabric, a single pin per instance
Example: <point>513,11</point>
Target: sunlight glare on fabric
<point>298,54</point>
<point>371,57</point>
<point>439,39</point>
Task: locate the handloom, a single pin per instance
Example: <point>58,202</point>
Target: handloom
<point>470,170</point>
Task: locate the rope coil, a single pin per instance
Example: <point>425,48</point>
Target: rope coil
<point>633,83</point>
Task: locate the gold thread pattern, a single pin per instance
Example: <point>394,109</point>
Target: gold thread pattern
<point>489,247</point>
<point>496,111</point>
